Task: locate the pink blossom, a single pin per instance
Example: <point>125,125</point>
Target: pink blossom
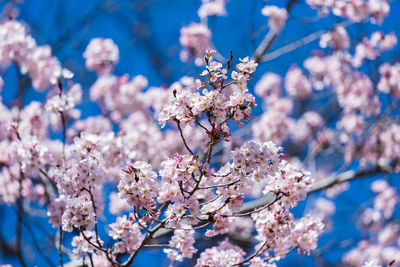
<point>82,245</point>
<point>275,123</point>
<point>181,245</point>
<point>352,123</point>
<point>42,67</point>
<point>337,38</point>
<point>325,71</point>
<point>258,262</point>
<point>277,17</point>
<point>307,124</point>
<point>371,48</point>
<point>225,254</point>
<point>17,44</point>
<point>9,185</point>
<point>138,185</point>
<point>119,95</point>
<point>337,189</point>
<point>93,125</point>
<point>306,232</point>
<point>269,84</point>
<point>355,10</point>
<point>390,81</point>
<point>19,47</point>
<point>385,201</point>
<point>356,93</point>
<point>297,84</point>
<point>33,156</point>
<point>187,104</point>
<point>1,83</point>
<point>195,39</point>
<point>247,65</point>
<point>325,207</point>
<point>255,161</point>
<point>117,205</point>
<point>128,234</point>
<point>212,8</point>
<point>371,219</point>
<point>101,55</point>
<point>292,182</point>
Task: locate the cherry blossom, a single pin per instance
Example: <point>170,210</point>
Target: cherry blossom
<point>277,17</point>
<point>101,55</point>
<point>212,8</point>
<point>182,241</point>
<point>183,163</point>
<point>338,38</point>
<point>355,10</point>
<point>389,82</point>
<point>296,83</point>
<point>225,254</point>
<point>138,184</point>
<point>195,39</point>
<point>128,234</point>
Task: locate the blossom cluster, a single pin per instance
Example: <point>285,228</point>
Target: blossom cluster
<point>195,39</point>
<point>19,47</point>
<point>101,55</point>
<point>381,247</point>
<point>279,231</point>
<point>277,17</point>
<point>119,95</point>
<point>379,148</point>
<point>189,104</point>
<point>389,82</point>
<point>297,84</point>
<point>177,176</point>
<point>181,245</point>
<point>255,161</point>
<point>80,186</point>
<point>275,123</point>
<point>138,184</point>
<point>212,8</point>
<point>337,38</point>
<point>372,47</point>
<point>128,233</point>
<point>33,156</point>
<point>225,254</point>
<point>355,10</point>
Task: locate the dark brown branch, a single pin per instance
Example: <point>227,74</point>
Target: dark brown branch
<point>145,240</point>
<point>183,138</point>
<point>60,244</point>
<point>253,255</point>
<point>19,231</point>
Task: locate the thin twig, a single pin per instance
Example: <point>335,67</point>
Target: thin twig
<point>183,138</point>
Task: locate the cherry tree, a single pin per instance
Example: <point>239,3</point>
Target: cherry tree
<point>209,168</point>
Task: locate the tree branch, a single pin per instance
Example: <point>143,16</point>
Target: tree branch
<point>319,185</point>
<point>270,37</point>
<point>305,40</point>
<point>269,198</point>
